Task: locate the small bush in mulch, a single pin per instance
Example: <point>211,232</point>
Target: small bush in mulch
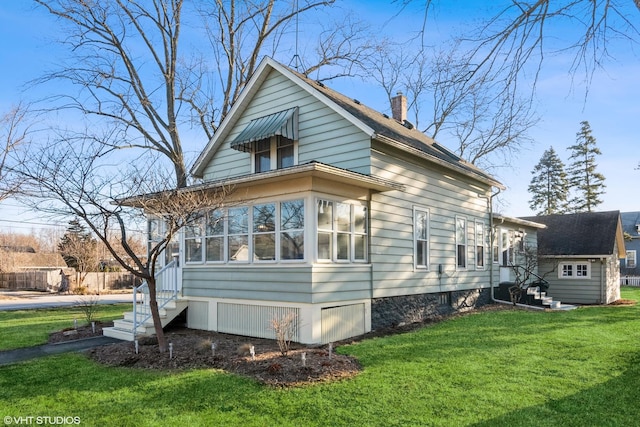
<point>191,349</point>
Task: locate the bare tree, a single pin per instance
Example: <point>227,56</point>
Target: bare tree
<point>485,124</point>
<point>70,178</point>
<point>514,42</point>
<point>14,134</point>
<point>133,67</point>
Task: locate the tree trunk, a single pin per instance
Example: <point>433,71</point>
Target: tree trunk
<point>155,315</point>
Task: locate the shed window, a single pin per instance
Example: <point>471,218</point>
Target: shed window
<point>574,270</point>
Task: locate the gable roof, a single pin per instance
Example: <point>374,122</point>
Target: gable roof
<point>375,124</point>
<point>630,222</point>
<point>581,234</point>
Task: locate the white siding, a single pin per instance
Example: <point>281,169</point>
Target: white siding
<point>324,136</point>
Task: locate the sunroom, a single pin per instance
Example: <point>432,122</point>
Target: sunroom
<point>287,240</point>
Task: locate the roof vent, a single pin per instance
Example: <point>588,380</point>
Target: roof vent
<point>407,124</point>
<point>638,228</point>
<point>356,101</point>
<point>385,116</point>
<point>319,83</point>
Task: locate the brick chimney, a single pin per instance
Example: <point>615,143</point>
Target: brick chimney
<point>399,107</point>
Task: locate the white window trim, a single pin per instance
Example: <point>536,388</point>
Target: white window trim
<point>466,243</point>
<point>635,259</point>
<point>273,155</point>
<point>479,223</point>
<point>416,266</point>
<point>334,233</point>
<point>574,265</point>
<point>225,237</point>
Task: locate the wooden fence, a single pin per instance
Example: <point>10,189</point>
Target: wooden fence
<point>629,280</point>
<point>49,280</point>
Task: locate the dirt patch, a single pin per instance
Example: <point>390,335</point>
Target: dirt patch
<point>624,302</point>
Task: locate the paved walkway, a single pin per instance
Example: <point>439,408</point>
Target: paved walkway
<point>21,354</point>
<point>27,300</point>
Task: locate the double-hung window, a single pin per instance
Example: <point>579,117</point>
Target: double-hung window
<point>342,232</point>
<point>214,236</point>
<point>276,152</point>
<point>421,238</point>
<point>461,243</point>
<point>479,245</point>
<point>238,234</point>
<point>193,241</point>
<point>292,230</point>
<point>631,259</point>
<point>264,232</point>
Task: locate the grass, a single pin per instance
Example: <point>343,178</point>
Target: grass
<point>501,368</point>
<point>26,328</point>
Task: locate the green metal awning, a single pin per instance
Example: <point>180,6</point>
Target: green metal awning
<point>283,123</point>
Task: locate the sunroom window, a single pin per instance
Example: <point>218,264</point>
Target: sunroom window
<point>342,231</point>
<point>265,232</point>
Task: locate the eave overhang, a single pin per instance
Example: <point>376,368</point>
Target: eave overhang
<point>478,176</point>
<point>313,169</point>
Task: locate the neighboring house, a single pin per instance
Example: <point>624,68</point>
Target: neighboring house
<point>631,229</point>
<point>344,216</point>
<point>21,267</point>
<point>579,255</point>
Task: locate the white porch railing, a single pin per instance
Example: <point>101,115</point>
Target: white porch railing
<point>629,280</point>
<point>166,291</point>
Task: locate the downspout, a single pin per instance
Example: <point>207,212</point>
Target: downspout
<point>491,240</point>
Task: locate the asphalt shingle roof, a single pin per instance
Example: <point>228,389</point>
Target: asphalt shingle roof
<point>585,233</point>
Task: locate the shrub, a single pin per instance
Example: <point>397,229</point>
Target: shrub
<point>285,329</point>
<point>89,306</point>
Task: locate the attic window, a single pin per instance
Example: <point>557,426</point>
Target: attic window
<point>283,124</point>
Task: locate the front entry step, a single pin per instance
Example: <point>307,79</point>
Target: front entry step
<point>533,297</point>
<point>123,328</point>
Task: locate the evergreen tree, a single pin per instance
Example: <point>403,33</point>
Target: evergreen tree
<point>586,184</point>
<point>549,186</point>
<point>77,247</point>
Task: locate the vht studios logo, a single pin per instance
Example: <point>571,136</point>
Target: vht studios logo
<point>41,420</point>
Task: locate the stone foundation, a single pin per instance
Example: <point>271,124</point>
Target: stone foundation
<point>402,310</point>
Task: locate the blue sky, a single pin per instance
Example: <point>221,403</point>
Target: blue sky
<point>612,107</point>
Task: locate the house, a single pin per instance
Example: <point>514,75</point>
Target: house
<point>351,219</point>
<point>631,230</point>
<point>578,254</point>
<point>21,267</point>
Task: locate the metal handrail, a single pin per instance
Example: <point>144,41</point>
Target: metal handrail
<point>166,291</point>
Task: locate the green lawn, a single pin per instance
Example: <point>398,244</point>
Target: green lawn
<point>25,328</point>
<point>502,368</point>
